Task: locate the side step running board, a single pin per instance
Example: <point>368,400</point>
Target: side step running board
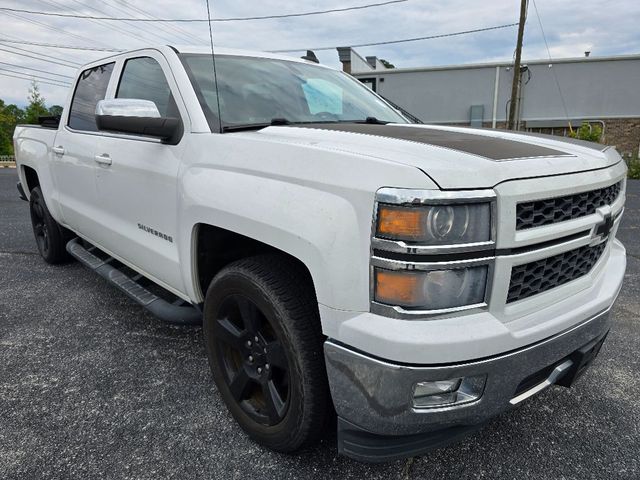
<point>179,312</point>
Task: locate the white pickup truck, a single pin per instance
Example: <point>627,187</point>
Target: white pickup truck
<point>414,280</point>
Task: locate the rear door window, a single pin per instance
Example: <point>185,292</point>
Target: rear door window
<point>90,89</point>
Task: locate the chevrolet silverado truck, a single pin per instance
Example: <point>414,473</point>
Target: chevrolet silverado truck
<point>404,282</point>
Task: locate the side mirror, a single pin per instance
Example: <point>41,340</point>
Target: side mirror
<point>138,117</point>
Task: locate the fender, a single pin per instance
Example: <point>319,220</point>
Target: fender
<point>296,219</point>
<point>300,200</point>
<point>33,144</point>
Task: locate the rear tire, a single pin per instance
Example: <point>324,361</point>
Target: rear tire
<point>265,348</point>
<point>51,237</point>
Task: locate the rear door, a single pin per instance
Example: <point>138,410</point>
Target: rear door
<point>137,190</point>
<point>74,150</point>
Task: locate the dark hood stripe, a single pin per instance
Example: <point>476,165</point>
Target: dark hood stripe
<point>488,147</point>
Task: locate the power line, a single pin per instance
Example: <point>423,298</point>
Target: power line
<point>96,49</point>
<point>74,66</point>
<point>416,39</point>
<point>34,76</point>
<point>190,37</point>
<point>53,45</point>
<point>564,105</point>
<point>135,34</point>
<point>57,30</point>
<point>31,79</point>
<point>127,10</point>
<point>59,61</point>
<point>106,25</point>
<point>191,20</point>
<point>37,70</point>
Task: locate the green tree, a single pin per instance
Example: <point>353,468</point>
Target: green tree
<point>55,110</point>
<point>5,146</point>
<point>36,107</point>
<point>15,112</point>
<point>588,132</point>
<point>10,116</point>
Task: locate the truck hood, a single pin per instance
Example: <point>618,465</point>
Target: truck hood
<point>453,157</point>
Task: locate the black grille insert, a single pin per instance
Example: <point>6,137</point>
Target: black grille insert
<point>559,209</point>
<point>542,275</point>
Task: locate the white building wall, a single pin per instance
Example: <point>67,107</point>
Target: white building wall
<point>593,88</point>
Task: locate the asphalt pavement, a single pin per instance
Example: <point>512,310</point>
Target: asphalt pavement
<point>92,386</point>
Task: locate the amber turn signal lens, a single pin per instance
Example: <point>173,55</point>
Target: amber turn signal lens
<point>400,222</point>
<point>397,288</point>
<point>433,289</point>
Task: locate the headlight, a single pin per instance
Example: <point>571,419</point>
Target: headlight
<point>433,251</point>
<point>431,290</point>
<point>438,224</point>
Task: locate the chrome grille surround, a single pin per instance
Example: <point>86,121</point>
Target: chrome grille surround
<point>520,247</point>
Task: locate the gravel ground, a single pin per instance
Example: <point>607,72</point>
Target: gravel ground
<point>93,386</point>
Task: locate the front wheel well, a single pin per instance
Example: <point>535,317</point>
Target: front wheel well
<point>217,247</point>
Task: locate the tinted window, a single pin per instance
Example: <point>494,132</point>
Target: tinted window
<point>257,90</point>
<point>91,88</point>
<point>143,78</point>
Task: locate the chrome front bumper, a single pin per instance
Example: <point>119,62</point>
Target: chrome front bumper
<point>374,398</point>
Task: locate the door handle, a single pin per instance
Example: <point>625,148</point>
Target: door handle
<point>103,159</point>
<point>58,150</point>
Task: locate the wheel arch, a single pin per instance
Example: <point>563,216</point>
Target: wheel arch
<point>215,247</point>
<point>31,178</point>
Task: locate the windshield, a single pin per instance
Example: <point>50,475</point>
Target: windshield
<point>261,91</point>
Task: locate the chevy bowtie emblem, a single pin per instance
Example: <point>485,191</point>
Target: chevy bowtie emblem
<point>602,230</point>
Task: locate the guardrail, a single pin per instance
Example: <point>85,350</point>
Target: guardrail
<point>7,161</point>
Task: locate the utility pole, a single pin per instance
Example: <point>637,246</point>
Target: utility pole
<point>515,87</point>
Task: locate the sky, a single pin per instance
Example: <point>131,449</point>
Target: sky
<point>604,28</point>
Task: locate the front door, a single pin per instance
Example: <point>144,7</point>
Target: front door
<point>136,181</point>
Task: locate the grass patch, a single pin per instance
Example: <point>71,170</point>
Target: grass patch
<point>634,168</point>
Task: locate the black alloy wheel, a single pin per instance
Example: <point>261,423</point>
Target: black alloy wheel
<point>265,348</point>
<point>254,363</point>
<point>51,237</point>
<point>40,229</point>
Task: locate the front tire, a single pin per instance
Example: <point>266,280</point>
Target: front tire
<point>265,348</point>
<point>51,237</point>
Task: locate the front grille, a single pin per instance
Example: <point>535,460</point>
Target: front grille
<point>542,275</point>
<point>559,209</point>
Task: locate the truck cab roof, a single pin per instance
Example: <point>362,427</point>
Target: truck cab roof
<point>205,50</point>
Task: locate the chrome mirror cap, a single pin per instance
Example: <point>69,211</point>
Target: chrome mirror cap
<point>127,107</point>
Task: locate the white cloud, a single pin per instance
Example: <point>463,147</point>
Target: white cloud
<point>571,29</point>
